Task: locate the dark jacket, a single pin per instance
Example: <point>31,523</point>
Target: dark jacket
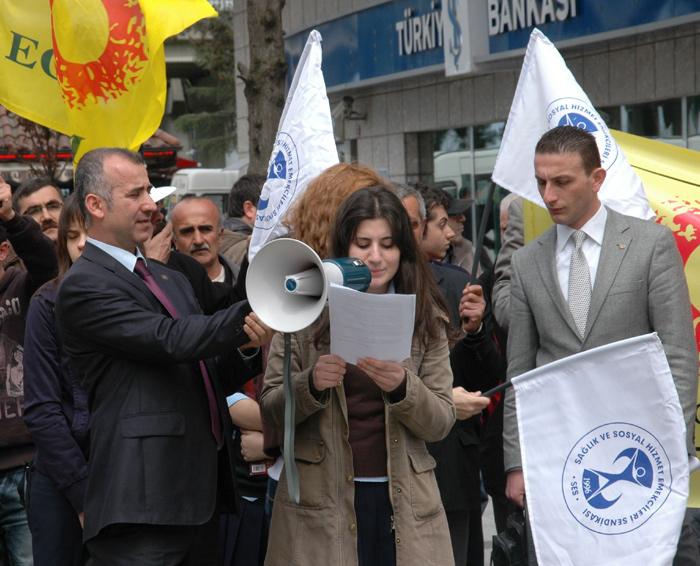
<point>153,459</point>
<point>56,411</point>
<point>16,288</point>
<point>476,366</point>
<point>211,296</point>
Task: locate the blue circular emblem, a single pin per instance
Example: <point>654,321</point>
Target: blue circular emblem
<point>281,184</point>
<point>575,112</point>
<point>615,478</point>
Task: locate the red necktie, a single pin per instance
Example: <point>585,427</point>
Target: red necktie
<point>143,272</point>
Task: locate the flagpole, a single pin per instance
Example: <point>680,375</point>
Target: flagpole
<point>290,466</point>
<point>478,249</point>
<point>501,387</point>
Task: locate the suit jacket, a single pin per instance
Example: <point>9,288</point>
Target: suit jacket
<point>513,239</point>
<point>639,288</point>
<point>153,459</point>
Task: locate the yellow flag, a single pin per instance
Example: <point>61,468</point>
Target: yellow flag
<point>94,69</point>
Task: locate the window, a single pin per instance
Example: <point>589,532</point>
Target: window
<point>654,119</point>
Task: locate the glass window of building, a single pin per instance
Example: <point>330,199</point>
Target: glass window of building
<point>659,120</point>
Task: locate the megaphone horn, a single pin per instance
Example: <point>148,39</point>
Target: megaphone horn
<point>287,283</point>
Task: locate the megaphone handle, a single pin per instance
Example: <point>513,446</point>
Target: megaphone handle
<point>290,466</point>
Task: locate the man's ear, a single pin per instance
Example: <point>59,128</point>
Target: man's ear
<point>95,206</point>
<point>4,250</point>
<point>249,210</point>
<point>598,176</point>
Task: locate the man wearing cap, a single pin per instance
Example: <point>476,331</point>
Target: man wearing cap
<point>461,250</point>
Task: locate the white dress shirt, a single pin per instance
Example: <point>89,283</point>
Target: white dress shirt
<point>127,259</point>
<point>594,229</point>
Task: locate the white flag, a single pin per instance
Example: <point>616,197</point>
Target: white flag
<point>547,96</point>
<point>304,146</point>
<point>603,448</point>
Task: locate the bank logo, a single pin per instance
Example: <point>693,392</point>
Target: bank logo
<point>281,183</point>
<point>456,40</point>
<point>575,112</point>
<point>615,478</point>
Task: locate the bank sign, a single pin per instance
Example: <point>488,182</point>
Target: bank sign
<point>403,38</point>
<point>390,40</point>
<point>509,22</point>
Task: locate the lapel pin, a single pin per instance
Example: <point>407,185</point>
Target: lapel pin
<point>621,246</point>
<point>164,277</point>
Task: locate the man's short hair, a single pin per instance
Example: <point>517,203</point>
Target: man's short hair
<point>29,187</point>
<point>569,139</point>
<point>433,197</point>
<point>406,191</point>
<point>247,188</point>
<point>90,176</point>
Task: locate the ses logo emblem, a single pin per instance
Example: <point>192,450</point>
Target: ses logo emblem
<point>569,111</point>
<point>615,478</point>
<point>281,183</point>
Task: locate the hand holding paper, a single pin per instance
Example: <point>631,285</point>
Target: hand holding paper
<point>387,375</point>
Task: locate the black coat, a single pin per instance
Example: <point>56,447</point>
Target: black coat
<point>476,366</point>
<point>153,459</point>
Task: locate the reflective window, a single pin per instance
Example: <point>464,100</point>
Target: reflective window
<point>489,136</point>
<point>654,119</point>
<point>611,116</point>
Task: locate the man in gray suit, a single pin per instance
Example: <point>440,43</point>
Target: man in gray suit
<point>634,274</point>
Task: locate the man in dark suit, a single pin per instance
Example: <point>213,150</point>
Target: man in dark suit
<point>159,466</point>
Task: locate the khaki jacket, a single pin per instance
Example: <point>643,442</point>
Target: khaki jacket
<point>234,246</point>
<point>322,528</point>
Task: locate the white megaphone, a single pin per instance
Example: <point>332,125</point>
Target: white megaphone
<point>287,283</point>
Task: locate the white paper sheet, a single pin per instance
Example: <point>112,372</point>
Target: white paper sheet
<point>365,325</point>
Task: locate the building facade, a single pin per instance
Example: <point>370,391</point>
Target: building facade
<point>421,89</point>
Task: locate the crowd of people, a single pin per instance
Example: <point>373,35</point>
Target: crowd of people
<point>143,403</point>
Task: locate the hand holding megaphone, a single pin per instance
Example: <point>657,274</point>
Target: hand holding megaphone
<point>287,283</point>
<point>257,331</point>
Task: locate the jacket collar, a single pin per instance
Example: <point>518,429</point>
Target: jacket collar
<point>616,240</point>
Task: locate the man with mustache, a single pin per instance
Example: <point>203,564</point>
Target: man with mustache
<point>41,199</point>
<point>196,229</point>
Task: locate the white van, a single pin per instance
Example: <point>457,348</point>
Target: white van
<point>214,184</point>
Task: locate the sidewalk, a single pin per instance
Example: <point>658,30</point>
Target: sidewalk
<point>489,527</point>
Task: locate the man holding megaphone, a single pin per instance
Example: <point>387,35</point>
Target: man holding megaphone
<point>159,432</point>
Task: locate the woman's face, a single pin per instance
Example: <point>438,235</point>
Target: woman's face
<point>374,245</point>
<point>76,241</point>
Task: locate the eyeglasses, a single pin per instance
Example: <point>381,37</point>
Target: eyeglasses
<point>51,206</point>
